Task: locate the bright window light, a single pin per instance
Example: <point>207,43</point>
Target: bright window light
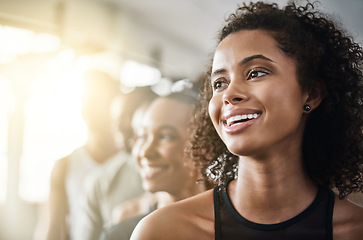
<point>163,87</point>
<point>7,57</point>
<point>6,98</point>
<point>21,41</point>
<point>15,40</point>
<point>134,74</point>
<point>43,42</point>
<point>53,128</point>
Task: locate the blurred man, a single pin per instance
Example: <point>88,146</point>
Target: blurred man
<point>71,174</point>
<point>118,183</point>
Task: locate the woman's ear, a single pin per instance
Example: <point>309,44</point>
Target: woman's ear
<point>316,95</point>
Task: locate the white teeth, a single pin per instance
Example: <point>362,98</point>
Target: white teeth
<point>233,119</point>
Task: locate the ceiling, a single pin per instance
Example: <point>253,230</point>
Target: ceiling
<point>195,22</point>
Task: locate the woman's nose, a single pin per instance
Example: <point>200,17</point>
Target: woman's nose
<point>235,93</point>
<point>148,149</point>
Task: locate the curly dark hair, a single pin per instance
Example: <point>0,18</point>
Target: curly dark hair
<point>333,138</point>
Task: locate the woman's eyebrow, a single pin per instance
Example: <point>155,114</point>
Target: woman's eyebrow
<point>250,58</point>
<point>244,61</point>
<point>221,70</point>
<point>167,127</point>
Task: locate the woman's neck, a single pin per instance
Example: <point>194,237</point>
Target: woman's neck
<point>272,189</point>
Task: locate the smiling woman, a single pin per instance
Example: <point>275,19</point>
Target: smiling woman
<point>160,145</point>
<point>279,131</point>
<point>167,174</point>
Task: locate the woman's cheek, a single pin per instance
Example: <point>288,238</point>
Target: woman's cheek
<point>214,110</point>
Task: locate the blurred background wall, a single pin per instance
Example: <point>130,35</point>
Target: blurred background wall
<point>45,45</point>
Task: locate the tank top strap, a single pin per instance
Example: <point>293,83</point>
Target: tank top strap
<point>217,215</point>
<point>329,226</point>
<point>218,205</point>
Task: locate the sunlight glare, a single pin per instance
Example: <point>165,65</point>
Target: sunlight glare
<point>21,41</point>
<point>43,42</point>
<point>6,102</point>
<point>134,74</point>
<point>54,127</point>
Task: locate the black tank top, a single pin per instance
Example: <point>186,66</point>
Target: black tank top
<point>314,223</point>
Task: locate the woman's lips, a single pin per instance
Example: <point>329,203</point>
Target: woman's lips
<point>150,171</point>
<point>236,123</point>
<point>241,118</point>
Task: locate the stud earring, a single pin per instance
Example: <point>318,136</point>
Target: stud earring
<point>307,108</point>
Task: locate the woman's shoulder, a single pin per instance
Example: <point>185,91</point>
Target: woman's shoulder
<point>191,218</point>
<point>347,220</point>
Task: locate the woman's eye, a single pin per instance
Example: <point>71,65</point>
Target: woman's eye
<point>256,73</point>
<point>167,137</point>
<point>218,84</point>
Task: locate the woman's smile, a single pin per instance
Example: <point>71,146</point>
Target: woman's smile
<point>241,118</point>
<point>237,120</point>
<point>150,171</point>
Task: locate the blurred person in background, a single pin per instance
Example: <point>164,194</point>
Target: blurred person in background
<point>168,175</point>
<point>69,174</point>
<point>118,182</point>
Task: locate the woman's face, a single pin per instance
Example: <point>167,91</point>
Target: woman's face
<point>257,102</point>
<point>159,146</point>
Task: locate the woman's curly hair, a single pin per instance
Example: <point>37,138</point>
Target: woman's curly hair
<point>333,138</point>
